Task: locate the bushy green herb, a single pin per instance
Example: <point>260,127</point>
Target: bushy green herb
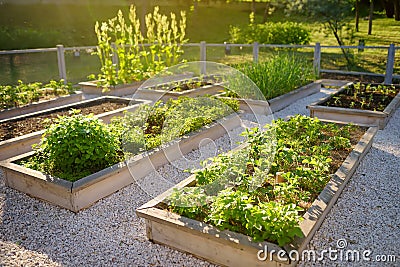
<point>25,93</point>
<point>279,75</point>
<point>74,147</point>
<point>271,211</point>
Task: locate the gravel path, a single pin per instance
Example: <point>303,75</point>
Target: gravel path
<point>34,233</point>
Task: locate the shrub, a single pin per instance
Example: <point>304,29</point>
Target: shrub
<point>74,147</point>
<point>271,33</point>
<point>280,74</point>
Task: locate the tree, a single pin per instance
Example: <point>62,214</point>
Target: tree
<point>333,14</point>
<point>397,10</point>
<point>370,17</point>
<point>357,10</point>
<point>389,8</point>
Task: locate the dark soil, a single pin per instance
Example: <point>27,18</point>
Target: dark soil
<point>364,98</point>
<point>28,125</point>
<point>352,78</point>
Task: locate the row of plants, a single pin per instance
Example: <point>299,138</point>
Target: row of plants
<point>123,56</point>
<point>364,96</point>
<point>270,33</point>
<point>77,145</point>
<point>26,93</point>
<point>263,194</point>
<point>279,74</point>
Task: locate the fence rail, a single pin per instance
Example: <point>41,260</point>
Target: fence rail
<point>388,75</point>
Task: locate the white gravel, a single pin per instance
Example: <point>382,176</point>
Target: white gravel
<point>34,233</point>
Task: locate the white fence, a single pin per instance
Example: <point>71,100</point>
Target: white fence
<point>388,75</point>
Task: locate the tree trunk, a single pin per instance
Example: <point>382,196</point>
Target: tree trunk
<point>340,43</point>
<point>389,8</point>
<point>371,14</point>
<point>253,6</point>
<point>397,10</point>
<point>357,14</point>
<point>266,12</point>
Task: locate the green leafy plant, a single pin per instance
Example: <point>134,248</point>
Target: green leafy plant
<point>151,126</point>
<point>74,147</point>
<point>121,40</point>
<point>26,93</point>
<point>271,211</point>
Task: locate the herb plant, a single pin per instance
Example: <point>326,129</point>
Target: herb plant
<point>271,210</point>
<point>26,93</point>
<point>74,147</point>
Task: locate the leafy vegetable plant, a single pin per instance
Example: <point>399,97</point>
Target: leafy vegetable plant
<point>151,126</point>
<point>272,210</point>
<point>25,93</point>
<point>74,147</point>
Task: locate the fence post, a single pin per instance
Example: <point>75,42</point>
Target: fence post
<point>389,64</point>
<point>203,56</point>
<point>62,71</point>
<point>256,49</point>
<point>317,59</point>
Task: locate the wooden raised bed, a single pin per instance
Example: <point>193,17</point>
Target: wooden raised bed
<point>41,105</point>
<point>93,88</point>
<point>283,101</point>
<point>86,191</point>
<point>22,144</point>
<point>228,248</point>
<point>356,116</point>
<point>278,103</point>
<point>156,94</point>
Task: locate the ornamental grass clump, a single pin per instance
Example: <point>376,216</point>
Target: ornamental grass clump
<point>74,147</point>
<point>279,75</point>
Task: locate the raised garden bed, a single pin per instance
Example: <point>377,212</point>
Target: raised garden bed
<point>96,88</point>
<point>41,105</point>
<point>363,104</point>
<point>228,248</point>
<point>18,134</point>
<point>280,102</point>
<point>86,191</point>
<point>93,88</point>
<point>188,87</point>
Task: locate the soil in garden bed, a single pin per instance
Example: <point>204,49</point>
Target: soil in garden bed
<point>28,125</point>
<point>361,96</point>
